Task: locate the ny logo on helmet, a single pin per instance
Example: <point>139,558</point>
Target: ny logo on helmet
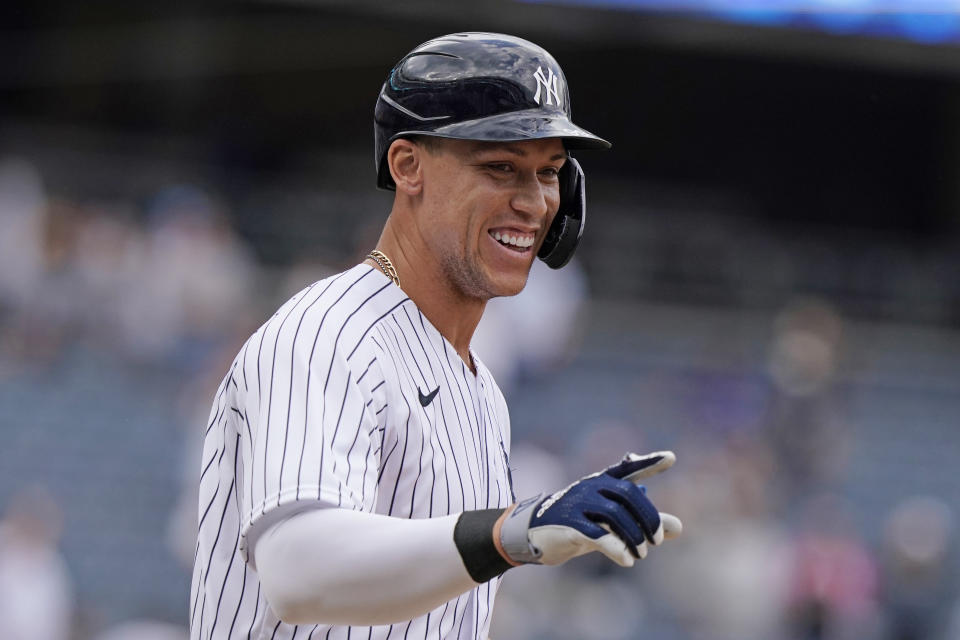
<point>548,82</point>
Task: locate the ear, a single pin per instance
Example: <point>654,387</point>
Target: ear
<point>405,160</point>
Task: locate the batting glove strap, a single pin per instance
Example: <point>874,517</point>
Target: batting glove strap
<point>515,529</point>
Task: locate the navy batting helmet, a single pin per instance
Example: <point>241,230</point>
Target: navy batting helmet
<point>488,86</point>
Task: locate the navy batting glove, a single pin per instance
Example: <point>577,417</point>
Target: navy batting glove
<point>606,512</point>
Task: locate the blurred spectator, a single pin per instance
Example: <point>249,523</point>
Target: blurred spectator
<point>194,284</point>
<point>106,265</point>
<point>570,605</point>
<point>22,203</point>
<point>25,337</point>
<point>803,425</point>
<point>36,598</point>
<point>726,578</point>
<point>919,585</point>
<point>833,577</point>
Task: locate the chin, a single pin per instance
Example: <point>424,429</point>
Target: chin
<point>506,287</point>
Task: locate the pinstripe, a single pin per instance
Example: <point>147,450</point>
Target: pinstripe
<point>482,429</point>
<point>306,394</point>
<point>356,437</point>
<point>472,438</point>
<point>483,423</point>
<point>375,323</point>
<point>456,413</point>
<point>443,613</point>
<point>434,432</point>
<point>452,454</point>
<point>293,345</point>
<point>366,466</point>
<point>259,335</point>
<point>422,440</point>
<point>365,371</point>
<point>333,438</point>
<point>256,610</point>
<point>203,608</point>
<point>496,457</point>
<point>243,366</point>
<point>217,403</point>
<point>243,589</point>
<point>383,465</point>
<point>463,617</point>
<point>330,368</point>
<point>480,439</point>
<point>207,466</point>
<point>336,340</point>
<point>273,367</point>
<point>195,584</point>
<point>216,419</point>
<point>236,543</point>
<point>216,541</point>
<point>212,500</point>
<point>403,454</point>
<point>364,439</point>
<point>489,608</point>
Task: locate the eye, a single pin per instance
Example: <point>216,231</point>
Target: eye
<point>550,172</point>
<point>500,167</point>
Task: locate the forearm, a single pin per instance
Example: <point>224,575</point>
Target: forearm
<point>336,566</point>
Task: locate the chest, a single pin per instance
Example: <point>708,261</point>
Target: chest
<point>445,441</point>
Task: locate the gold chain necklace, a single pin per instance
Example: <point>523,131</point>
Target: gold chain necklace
<point>385,265</point>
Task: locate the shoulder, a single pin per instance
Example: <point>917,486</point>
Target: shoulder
<point>338,311</point>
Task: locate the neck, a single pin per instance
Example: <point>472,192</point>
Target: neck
<point>421,277</point>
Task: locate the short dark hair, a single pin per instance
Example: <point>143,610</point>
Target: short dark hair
<point>431,144</point>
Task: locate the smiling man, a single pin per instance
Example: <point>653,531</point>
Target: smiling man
<point>356,475</point>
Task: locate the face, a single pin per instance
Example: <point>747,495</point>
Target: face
<point>487,208</point>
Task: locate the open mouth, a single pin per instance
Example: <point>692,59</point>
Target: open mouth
<point>514,240</point>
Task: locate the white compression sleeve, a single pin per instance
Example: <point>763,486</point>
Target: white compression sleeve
<point>335,566</point>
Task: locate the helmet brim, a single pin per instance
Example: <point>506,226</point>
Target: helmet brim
<point>517,126</point>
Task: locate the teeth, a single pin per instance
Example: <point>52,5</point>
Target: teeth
<point>516,241</point>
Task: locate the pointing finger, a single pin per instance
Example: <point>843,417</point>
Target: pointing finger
<point>635,467</point>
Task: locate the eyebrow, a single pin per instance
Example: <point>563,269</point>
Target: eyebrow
<point>514,149</point>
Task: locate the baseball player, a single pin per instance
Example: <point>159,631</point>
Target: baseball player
<point>356,479</point>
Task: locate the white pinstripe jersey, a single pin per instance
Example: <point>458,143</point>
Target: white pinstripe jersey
<point>322,407</point>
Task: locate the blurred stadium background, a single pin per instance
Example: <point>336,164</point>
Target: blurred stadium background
<point>769,285</point>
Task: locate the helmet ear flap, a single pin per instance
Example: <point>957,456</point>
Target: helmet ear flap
<point>564,233</point>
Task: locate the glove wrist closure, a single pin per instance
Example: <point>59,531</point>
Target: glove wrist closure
<point>514,532</point>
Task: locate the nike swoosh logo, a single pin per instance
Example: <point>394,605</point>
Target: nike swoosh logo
<point>427,399</point>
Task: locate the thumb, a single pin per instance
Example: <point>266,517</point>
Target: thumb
<point>672,527</point>
<point>614,548</point>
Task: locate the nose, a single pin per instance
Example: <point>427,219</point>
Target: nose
<point>531,197</point>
